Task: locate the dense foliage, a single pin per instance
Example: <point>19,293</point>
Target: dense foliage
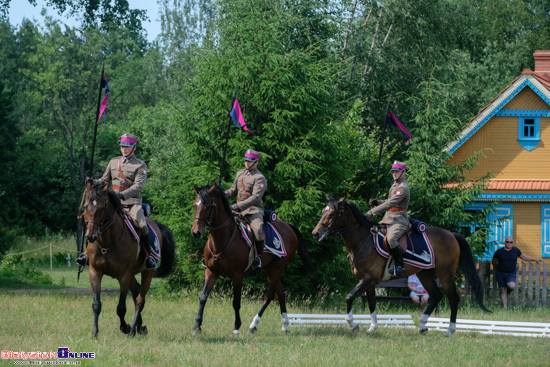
<point>313,79</point>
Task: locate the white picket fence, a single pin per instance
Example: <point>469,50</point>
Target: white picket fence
<point>398,321</point>
<point>493,327</point>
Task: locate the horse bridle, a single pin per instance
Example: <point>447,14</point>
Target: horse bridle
<point>102,226</point>
<point>335,232</point>
<point>208,221</point>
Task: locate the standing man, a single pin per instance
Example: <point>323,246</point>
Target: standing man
<point>249,187</point>
<point>127,175</point>
<point>505,261</point>
<point>395,207</point>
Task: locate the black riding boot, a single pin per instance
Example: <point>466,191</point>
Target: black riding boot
<point>257,264</point>
<point>398,258</point>
<point>150,262</point>
<point>82,260</point>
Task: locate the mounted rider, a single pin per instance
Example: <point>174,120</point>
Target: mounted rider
<point>127,175</point>
<point>395,207</point>
<point>249,187</point>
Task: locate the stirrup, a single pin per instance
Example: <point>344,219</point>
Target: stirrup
<point>398,270</point>
<point>82,260</point>
<point>150,263</point>
<point>257,263</point>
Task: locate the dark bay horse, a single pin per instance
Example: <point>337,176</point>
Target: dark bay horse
<point>226,253</point>
<point>450,250</point>
<point>112,250</point>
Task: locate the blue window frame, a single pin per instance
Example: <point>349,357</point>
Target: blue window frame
<point>545,228</point>
<point>528,132</point>
<point>501,229</point>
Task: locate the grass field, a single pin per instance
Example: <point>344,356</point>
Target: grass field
<point>47,317</point>
<point>44,320</point>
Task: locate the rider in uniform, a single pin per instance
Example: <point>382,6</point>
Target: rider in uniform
<point>249,187</point>
<point>395,207</point>
<point>127,175</point>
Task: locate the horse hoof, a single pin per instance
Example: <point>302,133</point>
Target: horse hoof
<point>142,330</point>
<point>423,331</point>
<point>355,328</point>
<point>252,330</point>
<point>372,328</point>
<point>196,331</point>
<point>236,332</point>
<point>125,329</point>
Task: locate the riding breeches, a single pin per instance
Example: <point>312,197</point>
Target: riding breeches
<point>257,224</point>
<point>394,232</point>
<point>136,213</point>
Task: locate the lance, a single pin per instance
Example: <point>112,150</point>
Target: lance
<point>97,118</point>
<point>82,236</point>
<point>380,152</point>
<point>227,139</point>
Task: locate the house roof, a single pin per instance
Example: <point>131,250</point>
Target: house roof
<point>538,82</point>
<point>513,185</point>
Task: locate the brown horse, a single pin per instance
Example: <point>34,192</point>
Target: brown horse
<point>450,250</point>
<point>112,250</point>
<point>226,253</point>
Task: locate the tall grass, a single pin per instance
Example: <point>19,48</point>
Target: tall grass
<point>44,321</point>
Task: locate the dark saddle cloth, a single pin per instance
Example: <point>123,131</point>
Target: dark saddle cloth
<point>417,250</point>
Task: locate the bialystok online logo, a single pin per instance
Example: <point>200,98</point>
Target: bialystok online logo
<point>62,353</point>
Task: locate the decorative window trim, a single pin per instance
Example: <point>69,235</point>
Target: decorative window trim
<point>545,230</point>
<point>528,142</point>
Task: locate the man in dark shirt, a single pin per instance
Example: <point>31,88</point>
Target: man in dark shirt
<point>505,261</point>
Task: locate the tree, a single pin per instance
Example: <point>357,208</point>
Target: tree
<point>441,192</point>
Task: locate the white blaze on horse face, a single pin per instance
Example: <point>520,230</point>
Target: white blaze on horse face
<point>198,202</point>
<point>94,202</point>
<point>326,208</point>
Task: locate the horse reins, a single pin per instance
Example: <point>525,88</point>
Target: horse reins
<point>103,226</point>
<point>213,229</point>
<point>331,232</point>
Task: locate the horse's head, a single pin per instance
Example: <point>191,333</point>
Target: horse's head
<point>329,218</point>
<point>208,198</point>
<point>97,198</point>
<point>338,217</point>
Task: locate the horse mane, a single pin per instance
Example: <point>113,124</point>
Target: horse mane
<point>96,193</point>
<point>356,212</point>
<point>218,193</point>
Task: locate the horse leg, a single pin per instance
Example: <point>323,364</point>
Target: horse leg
<point>95,282</point>
<point>237,282</point>
<point>354,293</point>
<point>208,284</point>
<point>121,307</point>
<point>146,278</point>
<point>371,299</point>
<point>449,288</point>
<point>428,281</point>
<point>282,305</point>
<point>274,286</point>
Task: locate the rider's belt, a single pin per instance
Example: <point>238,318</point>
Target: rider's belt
<point>397,209</point>
<point>120,188</point>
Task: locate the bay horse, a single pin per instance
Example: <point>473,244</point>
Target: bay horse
<point>113,251</point>
<point>226,253</point>
<point>341,217</point>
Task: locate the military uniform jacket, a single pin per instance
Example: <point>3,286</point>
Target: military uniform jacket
<point>134,171</point>
<point>398,197</point>
<point>249,188</point>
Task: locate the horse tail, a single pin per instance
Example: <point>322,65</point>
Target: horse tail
<point>302,250</point>
<point>168,252</point>
<point>466,262</point>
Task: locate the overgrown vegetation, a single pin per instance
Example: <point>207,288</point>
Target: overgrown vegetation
<point>313,79</point>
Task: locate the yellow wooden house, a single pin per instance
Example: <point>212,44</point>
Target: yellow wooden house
<point>515,127</point>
